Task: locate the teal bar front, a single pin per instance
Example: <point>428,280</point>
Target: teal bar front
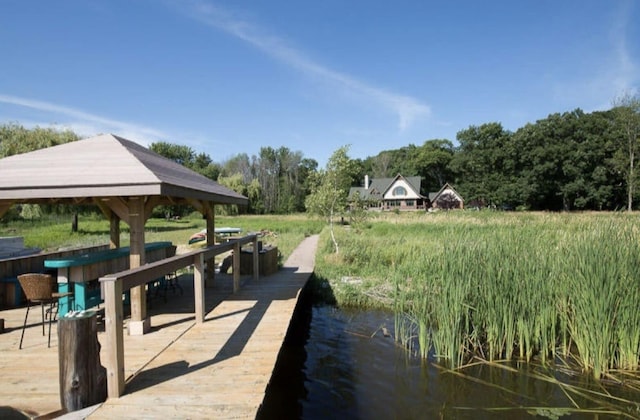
<point>79,274</point>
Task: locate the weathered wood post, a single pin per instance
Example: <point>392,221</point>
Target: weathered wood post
<point>256,257</point>
<point>198,287</point>
<point>236,266</point>
<point>83,380</point>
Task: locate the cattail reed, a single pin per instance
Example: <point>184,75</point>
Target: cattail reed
<point>503,286</point>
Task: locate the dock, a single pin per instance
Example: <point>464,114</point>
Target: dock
<point>217,369</point>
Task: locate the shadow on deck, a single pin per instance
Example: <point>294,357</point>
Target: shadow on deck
<point>217,369</point>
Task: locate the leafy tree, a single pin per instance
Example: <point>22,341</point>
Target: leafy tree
<point>627,121</point>
<point>187,157</point>
<point>431,162</point>
<point>358,212</point>
<point>239,164</point>
<point>564,162</point>
<point>235,183</point>
<point>279,176</point>
<point>178,153</point>
<point>484,164</point>
<point>16,139</point>
<point>330,188</point>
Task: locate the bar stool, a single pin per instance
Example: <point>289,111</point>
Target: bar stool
<point>40,289</point>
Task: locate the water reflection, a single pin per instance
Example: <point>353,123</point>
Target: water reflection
<point>343,366</point>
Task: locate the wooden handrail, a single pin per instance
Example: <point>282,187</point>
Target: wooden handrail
<point>115,284</point>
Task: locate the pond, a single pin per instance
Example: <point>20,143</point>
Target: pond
<point>345,364</point>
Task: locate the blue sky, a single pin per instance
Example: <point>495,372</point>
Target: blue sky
<point>229,77</point>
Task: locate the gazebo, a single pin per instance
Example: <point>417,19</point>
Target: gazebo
<point>123,179</point>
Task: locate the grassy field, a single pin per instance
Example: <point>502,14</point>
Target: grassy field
<point>54,232</point>
<point>498,285</point>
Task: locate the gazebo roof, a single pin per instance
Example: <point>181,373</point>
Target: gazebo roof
<point>104,166</point>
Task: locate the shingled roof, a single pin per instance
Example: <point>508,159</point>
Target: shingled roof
<point>379,186</point>
<point>104,166</point>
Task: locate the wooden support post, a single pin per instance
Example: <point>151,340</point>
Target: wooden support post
<point>83,380</point>
<point>114,231</point>
<point>4,207</point>
<point>113,326</point>
<point>256,259</point>
<point>236,266</point>
<point>198,287</point>
<point>139,323</point>
<point>211,241</point>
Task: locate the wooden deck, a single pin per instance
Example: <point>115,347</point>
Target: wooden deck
<point>218,369</point>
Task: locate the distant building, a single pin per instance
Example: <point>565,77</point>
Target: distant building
<point>403,193</point>
<point>446,199</point>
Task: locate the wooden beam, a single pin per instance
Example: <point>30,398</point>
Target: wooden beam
<point>113,325</point>
<point>114,231</point>
<point>198,205</point>
<point>211,241</point>
<point>119,206</point>
<point>151,203</point>
<point>256,259</point>
<point>236,267</point>
<point>104,208</point>
<point>198,287</point>
<point>139,323</point>
<point>4,207</point>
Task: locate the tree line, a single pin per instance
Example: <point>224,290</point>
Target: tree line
<point>568,161</point>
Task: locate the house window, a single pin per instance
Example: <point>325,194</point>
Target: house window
<point>410,203</point>
<point>399,191</point>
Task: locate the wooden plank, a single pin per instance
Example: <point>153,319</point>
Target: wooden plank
<point>181,369</point>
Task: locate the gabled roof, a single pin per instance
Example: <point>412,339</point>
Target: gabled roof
<point>379,186</point>
<point>446,187</point>
<point>104,166</point>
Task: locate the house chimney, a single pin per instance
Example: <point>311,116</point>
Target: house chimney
<point>366,182</point>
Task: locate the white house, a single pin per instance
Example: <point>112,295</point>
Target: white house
<point>403,193</point>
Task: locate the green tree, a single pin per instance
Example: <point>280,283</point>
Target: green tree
<point>235,183</point>
<point>627,121</point>
<point>484,164</point>
<point>431,162</point>
<point>16,139</point>
<point>187,157</point>
<point>330,188</point>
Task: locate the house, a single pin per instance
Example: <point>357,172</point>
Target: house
<point>446,199</point>
<point>403,193</point>
<point>399,193</point>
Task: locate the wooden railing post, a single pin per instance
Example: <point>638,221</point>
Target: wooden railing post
<point>115,284</point>
<point>236,266</point>
<point>113,325</point>
<point>198,287</point>
<point>256,258</point>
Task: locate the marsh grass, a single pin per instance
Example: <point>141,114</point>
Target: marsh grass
<point>502,285</point>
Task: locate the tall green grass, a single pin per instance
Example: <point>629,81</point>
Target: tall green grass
<point>502,286</point>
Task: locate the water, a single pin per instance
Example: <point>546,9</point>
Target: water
<point>339,364</point>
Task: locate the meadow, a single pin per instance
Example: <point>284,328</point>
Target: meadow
<point>54,232</point>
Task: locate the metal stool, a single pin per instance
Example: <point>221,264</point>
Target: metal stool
<point>39,288</point>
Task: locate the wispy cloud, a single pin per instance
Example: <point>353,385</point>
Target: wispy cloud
<point>406,108</point>
<point>625,71</point>
<point>86,124</point>
<point>614,71</point>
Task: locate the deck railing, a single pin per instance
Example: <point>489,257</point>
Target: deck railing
<point>114,285</point>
